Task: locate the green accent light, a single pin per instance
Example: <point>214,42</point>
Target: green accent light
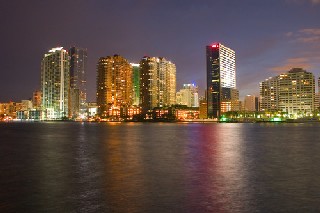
<point>276,119</point>
<point>224,119</point>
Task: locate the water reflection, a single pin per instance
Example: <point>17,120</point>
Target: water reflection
<point>125,181</point>
<point>159,167</point>
<point>88,171</point>
<point>217,169</point>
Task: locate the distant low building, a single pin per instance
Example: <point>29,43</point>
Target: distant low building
<point>188,95</point>
<point>250,103</point>
<point>36,99</point>
<point>187,113</point>
<point>203,109</point>
<point>92,109</point>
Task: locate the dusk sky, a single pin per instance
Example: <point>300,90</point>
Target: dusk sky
<point>268,36</point>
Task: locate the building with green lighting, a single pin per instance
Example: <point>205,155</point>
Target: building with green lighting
<point>135,83</point>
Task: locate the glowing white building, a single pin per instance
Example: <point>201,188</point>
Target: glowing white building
<point>55,83</point>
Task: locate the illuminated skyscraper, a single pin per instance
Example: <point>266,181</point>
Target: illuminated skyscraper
<point>292,92</point>
<point>114,85</point>
<point>221,73</point>
<point>55,83</point>
<point>157,83</point>
<point>78,90</point>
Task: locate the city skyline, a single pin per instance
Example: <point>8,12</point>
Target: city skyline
<point>267,42</point>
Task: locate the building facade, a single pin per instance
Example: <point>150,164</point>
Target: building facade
<point>78,90</point>
<point>114,85</point>
<point>136,83</point>
<point>250,103</point>
<point>55,84</point>
<point>157,83</point>
<point>221,73</point>
<point>292,92</point>
<point>36,99</point>
<point>188,95</point>
<point>269,94</point>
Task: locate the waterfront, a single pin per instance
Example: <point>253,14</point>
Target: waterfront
<point>159,167</point>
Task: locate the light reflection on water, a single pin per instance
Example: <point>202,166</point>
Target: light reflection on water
<point>159,167</point>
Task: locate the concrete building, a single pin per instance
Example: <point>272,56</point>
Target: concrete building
<point>36,99</point>
<point>188,95</point>
<point>269,94</point>
<point>203,109</point>
<point>292,92</point>
<point>250,103</point>
<point>229,100</point>
<point>55,83</point>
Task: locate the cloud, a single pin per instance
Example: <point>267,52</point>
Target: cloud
<point>298,62</point>
<point>304,51</point>
<point>307,36</point>
<point>303,1</point>
<point>310,35</point>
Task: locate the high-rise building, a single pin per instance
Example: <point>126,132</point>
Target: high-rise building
<point>55,83</point>
<point>292,92</point>
<point>78,90</point>
<point>188,95</point>
<point>269,94</point>
<point>114,85</point>
<point>317,97</point>
<point>221,73</point>
<point>157,83</point>
<point>136,83</point>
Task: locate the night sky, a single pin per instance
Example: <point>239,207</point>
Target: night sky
<point>269,37</point>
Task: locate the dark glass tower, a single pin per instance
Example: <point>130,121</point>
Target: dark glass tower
<point>221,74</point>
<point>213,81</point>
<point>78,90</point>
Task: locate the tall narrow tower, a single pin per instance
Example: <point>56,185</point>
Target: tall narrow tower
<point>221,73</point>
<point>55,83</point>
<point>135,83</point>
<point>78,90</point>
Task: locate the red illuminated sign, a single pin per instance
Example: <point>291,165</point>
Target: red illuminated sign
<point>215,46</point>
